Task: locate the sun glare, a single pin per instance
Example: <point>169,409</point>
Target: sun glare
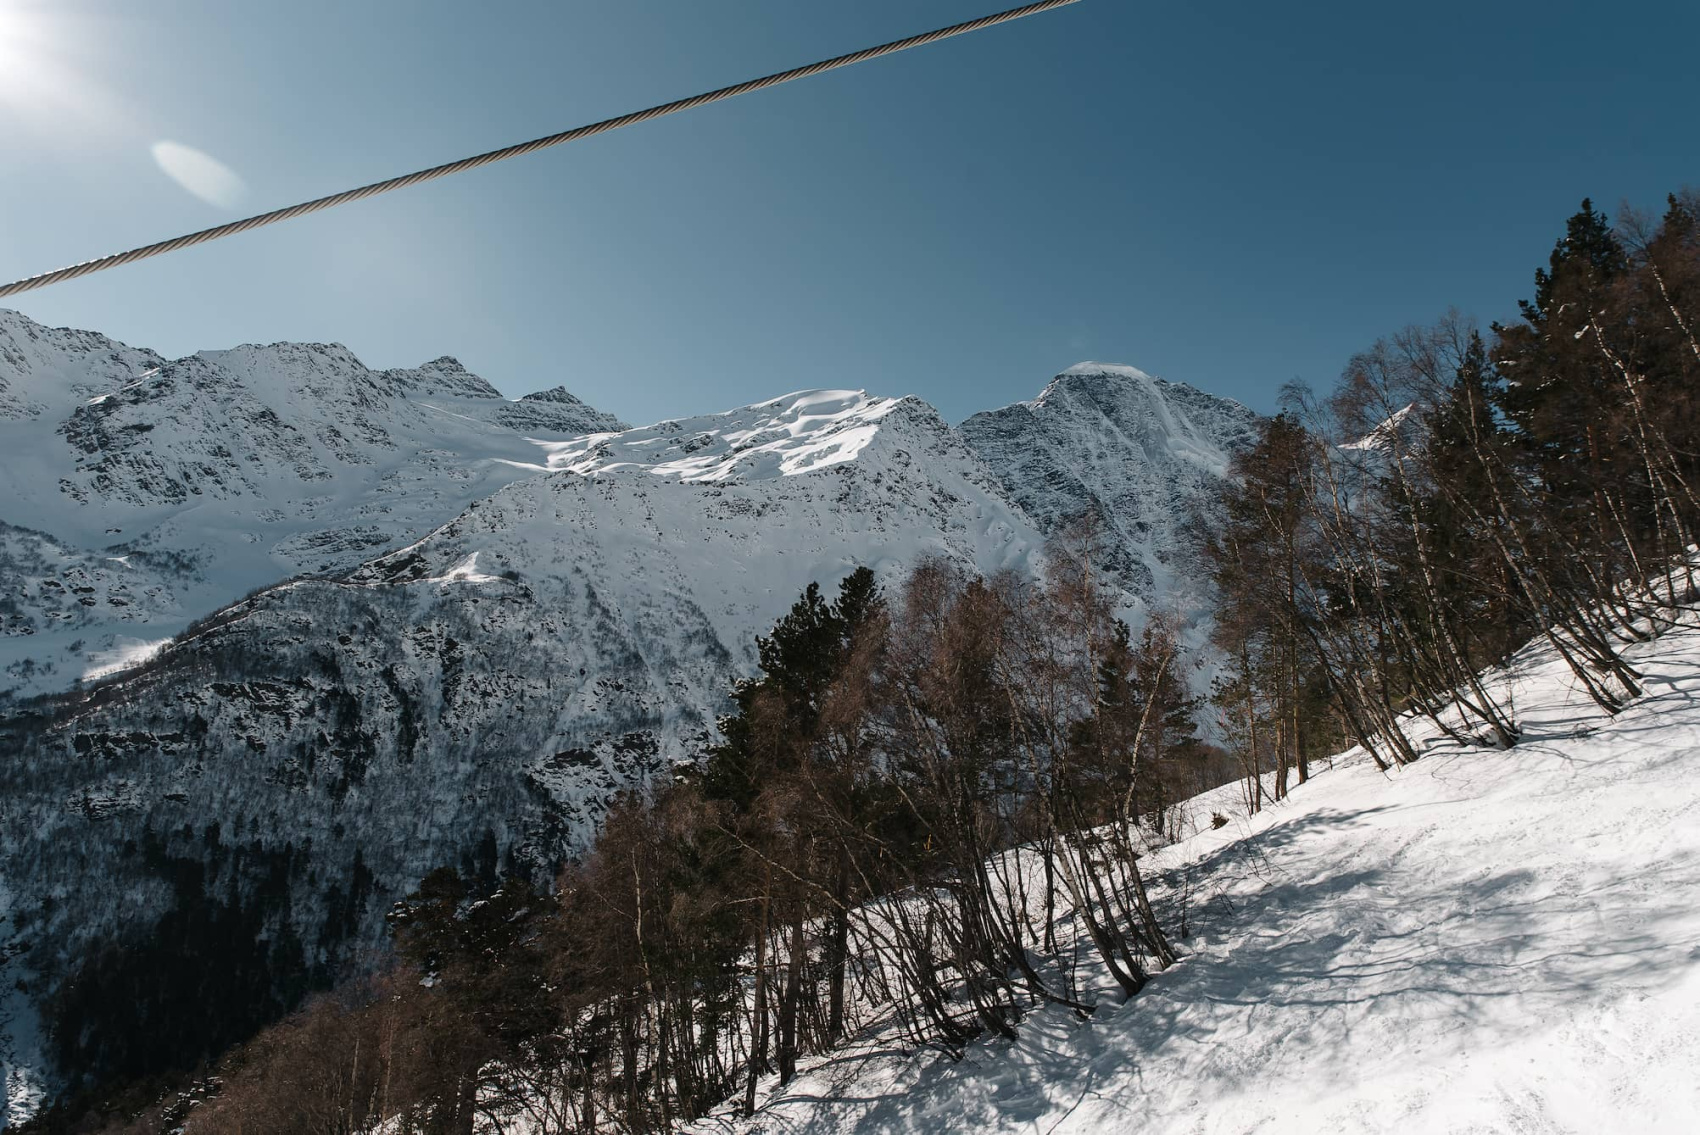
<point>39,81</point>
<point>23,44</point>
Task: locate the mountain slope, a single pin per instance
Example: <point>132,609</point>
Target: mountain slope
<point>1483,941</point>
<point>1137,453</point>
<point>499,680</point>
<point>562,616</point>
<point>158,490</point>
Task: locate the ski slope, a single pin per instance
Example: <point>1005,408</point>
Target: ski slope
<point>1484,941</point>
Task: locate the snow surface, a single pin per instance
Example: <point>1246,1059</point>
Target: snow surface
<point>795,433</point>
<point>126,654</point>
<point>1485,941</point>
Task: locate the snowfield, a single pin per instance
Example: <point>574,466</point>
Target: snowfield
<point>791,434</point>
<point>1484,941</point>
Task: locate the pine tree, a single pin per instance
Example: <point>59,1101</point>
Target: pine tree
<point>778,713</point>
<point>1587,259</point>
<point>1561,395</point>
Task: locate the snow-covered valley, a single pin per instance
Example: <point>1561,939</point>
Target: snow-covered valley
<point>1483,941</point>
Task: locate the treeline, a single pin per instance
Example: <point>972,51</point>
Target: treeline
<point>1458,496</point>
<point>929,808</point>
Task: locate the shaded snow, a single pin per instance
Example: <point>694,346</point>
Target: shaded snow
<point>1484,941</point>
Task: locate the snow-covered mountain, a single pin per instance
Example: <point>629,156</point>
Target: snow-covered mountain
<point>1133,452</point>
<point>570,636</point>
<point>137,492</point>
<point>563,614</point>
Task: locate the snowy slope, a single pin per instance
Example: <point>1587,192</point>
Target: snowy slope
<point>794,433</point>
<point>1138,453</point>
<point>151,491</point>
<point>1485,941</point>
<point>602,612</point>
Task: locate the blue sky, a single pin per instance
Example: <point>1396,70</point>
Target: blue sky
<point>1230,194</point>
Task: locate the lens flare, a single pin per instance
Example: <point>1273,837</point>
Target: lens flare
<point>201,174</point>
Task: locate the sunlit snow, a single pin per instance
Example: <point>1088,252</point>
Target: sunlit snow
<point>782,437</point>
<point>1486,940</point>
<point>466,571</point>
<point>125,654</point>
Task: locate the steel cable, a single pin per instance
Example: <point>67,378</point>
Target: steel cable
<point>603,127</point>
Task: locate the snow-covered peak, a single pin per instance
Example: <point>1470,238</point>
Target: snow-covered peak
<point>1157,412</point>
<point>446,375</point>
<point>1384,437</point>
<point>1105,370</point>
<point>795,433</point>
<point>44,370</point>
<point>558,410</point>
<point>553,394</point>
<point>1139,453</point>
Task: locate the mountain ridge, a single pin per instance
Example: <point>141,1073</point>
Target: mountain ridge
<point>1133,452</point>
<point>172,487</point>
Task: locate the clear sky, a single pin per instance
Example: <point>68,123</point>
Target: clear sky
<point>1232,194</point>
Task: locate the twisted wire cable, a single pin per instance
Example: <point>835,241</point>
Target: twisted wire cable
<point>573,135</point>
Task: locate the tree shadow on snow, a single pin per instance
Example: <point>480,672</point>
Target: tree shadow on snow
<point>1348,961</point>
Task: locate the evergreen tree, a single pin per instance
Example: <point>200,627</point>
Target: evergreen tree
<point>778,714</point>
